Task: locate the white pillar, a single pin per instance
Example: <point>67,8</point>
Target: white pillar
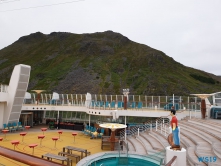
<point>191,111</point>
<point>125,133</point>
<point>88,100</point>
<point>165,129</point>
<point>2,110</point>
<point>181,156</point>
<point>156,125</point>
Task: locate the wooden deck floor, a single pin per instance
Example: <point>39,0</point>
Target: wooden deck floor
<point>81,141</point>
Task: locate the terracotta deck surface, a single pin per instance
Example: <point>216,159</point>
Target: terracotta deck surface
<point>67,139</point>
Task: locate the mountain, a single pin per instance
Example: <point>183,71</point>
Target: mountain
<point>101,63</point>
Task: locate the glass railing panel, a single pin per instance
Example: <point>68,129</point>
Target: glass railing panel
<point>69,114</point>
<point>47,114</point>
<point>162,102</point>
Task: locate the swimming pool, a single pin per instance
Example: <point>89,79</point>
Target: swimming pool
<point>123,161</point>
<point>113,158</point>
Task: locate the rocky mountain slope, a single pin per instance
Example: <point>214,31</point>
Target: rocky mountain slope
<point>101,63</point>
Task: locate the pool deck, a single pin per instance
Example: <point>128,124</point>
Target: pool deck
<point>67,139</point>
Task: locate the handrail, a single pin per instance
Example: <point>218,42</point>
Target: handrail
<point>126,146</point>
<point>103,101</point>
<point>162,125</point>
<point>26,158</point>
<point>148,102</point>
<point>172,162</point>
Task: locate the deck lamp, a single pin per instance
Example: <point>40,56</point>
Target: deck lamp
<point>125,92</point>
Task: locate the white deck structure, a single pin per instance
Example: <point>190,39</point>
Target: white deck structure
<point>14,99</point>
<point>12,96</point>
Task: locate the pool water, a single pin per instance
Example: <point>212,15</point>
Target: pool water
<point>123,161</point>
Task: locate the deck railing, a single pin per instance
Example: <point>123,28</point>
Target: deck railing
<point>137,102</point>
<point>4,88</point>
<point>160,125</point>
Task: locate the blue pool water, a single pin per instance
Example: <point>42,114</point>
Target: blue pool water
<point>114,161</point>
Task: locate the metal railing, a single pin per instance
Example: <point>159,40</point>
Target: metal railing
<point>160,125</point>
<point>104,101</point>
<point>64,99</point>
<point>151,102</point>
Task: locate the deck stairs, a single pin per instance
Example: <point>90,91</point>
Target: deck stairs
<point>199,137</point>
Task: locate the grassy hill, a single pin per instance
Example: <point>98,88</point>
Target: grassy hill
<point>101,63</point>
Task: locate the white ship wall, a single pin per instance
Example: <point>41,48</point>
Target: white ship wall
<point>16,91</point>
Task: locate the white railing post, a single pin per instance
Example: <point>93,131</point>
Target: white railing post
<point>156,125</point>
<point>151,127</point>
<point>163,122</point>
<point>125,134</point>
<point>138,130</point>
<point>165,129</point>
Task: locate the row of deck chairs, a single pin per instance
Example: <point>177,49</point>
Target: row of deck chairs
<point>113,105</point>
<point>89,130</point>
<point>13,126</point>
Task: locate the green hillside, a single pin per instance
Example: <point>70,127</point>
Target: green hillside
<point>101,63</point>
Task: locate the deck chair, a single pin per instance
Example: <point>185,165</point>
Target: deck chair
<point>133,105</point>
<point>101,133</point>
<point>10,127</point>
<point>55,99</point>
<point>112,104</point>
<point>101,104</point>
<point>5,126</point>
<point>107,104</point>
<point>92,104</point>
<point>93,129</point>
<point>139,105</point>
<point>15,125</point>
<point>51,125</point>
<point>119,105</point>
<point>97,104</point>
<point>20,127</point>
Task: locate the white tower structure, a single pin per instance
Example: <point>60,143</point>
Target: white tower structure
<point>11,100</point>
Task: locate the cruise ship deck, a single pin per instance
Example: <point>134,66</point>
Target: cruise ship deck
<point>147,119</point>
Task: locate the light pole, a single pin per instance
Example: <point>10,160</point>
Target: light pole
<point>125,92</point>
<point>113,127</point>
<point>38,94</point>
<point>203,103</point>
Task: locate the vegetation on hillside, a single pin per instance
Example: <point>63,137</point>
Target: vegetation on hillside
<point>101,63</point>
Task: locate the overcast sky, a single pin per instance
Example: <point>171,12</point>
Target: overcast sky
<point>189,31</point>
